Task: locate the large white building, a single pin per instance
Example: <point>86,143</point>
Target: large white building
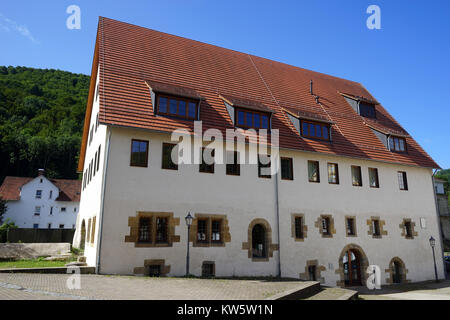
<point>40,202</point>
<point>354,188</point>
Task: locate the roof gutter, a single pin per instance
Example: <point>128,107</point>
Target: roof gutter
<point>438,221</point>
<point>102,204</point>
<point>277,212</point>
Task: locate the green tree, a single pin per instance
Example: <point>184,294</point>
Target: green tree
<point>445,175</point>
<point>4,228</point>
<point>41,121</point>
<point>3,208</point>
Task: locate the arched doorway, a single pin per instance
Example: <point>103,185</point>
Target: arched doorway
<point>83,235</point>
<point>351,262</point>
<point>259,245</point>
<point>397,271</point>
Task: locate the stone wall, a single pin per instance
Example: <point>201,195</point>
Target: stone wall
<point>15,251</point>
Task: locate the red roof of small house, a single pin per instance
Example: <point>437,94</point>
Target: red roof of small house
<point>130,58</point>
<point>69,190</point>
<point>10,188</point>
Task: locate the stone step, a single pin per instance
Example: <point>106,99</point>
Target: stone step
<point>303,290</point>
<point>328,293</point>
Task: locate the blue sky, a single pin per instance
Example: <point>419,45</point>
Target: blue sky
<point>405,65</point>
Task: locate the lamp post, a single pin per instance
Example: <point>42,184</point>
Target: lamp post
<point>188,219</point>
<point>432,244</point>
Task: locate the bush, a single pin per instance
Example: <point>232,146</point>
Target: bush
<point>4,228</point>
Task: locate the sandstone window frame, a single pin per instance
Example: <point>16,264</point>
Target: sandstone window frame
<point>329,221</point>
<point>305,276</point>
<point>210,219</point>
<point>208,269</point>
<point>134,224</point>
<point>390,272</point>
<point>88,233</point>
<point>372,223</point>
<point>363,262</point>
<point>94,221</point>
<point>408,223</point>
<point>270,247</point>
<point>294,227</point>
<point>148,263</point>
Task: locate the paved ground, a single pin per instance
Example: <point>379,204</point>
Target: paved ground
<point>54,286</point>
<point>330,294</point>
<point>429,290</point>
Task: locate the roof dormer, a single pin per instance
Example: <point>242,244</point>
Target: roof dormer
<point>174,101</point>
<point>363,106</point>
<point>310,126</point>
<point>247,114</point>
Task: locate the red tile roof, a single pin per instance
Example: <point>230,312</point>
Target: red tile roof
<point>69,190</point>
<point>10,188</point>
<point>129,56</point>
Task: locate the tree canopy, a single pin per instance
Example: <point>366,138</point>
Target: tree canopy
<point>41,121</point>
<point>445,175</point>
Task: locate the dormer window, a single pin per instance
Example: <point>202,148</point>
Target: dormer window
<point>397,144</point>
<point>251,119</point>
<point>174,101</point>
<point>316,130</point>
<point>367,110</point>
<point>247,114</point>
<point>177,107</point>
<point>364,106</point>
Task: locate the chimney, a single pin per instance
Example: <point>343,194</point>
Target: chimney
<point>311,87</point>
<point>41,172</point>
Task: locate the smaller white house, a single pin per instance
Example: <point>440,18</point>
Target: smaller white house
<point>40,202</point>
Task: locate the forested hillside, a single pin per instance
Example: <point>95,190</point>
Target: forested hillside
<point>41,119</point>
<point>445,175</point>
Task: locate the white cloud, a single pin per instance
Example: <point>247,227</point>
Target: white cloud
<point>8,25</point>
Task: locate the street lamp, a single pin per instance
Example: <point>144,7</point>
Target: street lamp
<point>432,244</point>
<point>188,219</point>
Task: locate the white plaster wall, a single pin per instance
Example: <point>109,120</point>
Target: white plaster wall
<point>246,197</point>
<point>388,202</point>
<point>90,201</point>
<point>22,211</point>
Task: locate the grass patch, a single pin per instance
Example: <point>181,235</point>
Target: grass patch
<point>34,263</point>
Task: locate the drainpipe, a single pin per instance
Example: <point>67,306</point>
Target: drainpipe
<point>277,212</point>
<point>102,204</point>
<point>441,237</point>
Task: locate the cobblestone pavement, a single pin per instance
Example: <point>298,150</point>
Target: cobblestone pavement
<point>429,290</point>
<point>54,286</point>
